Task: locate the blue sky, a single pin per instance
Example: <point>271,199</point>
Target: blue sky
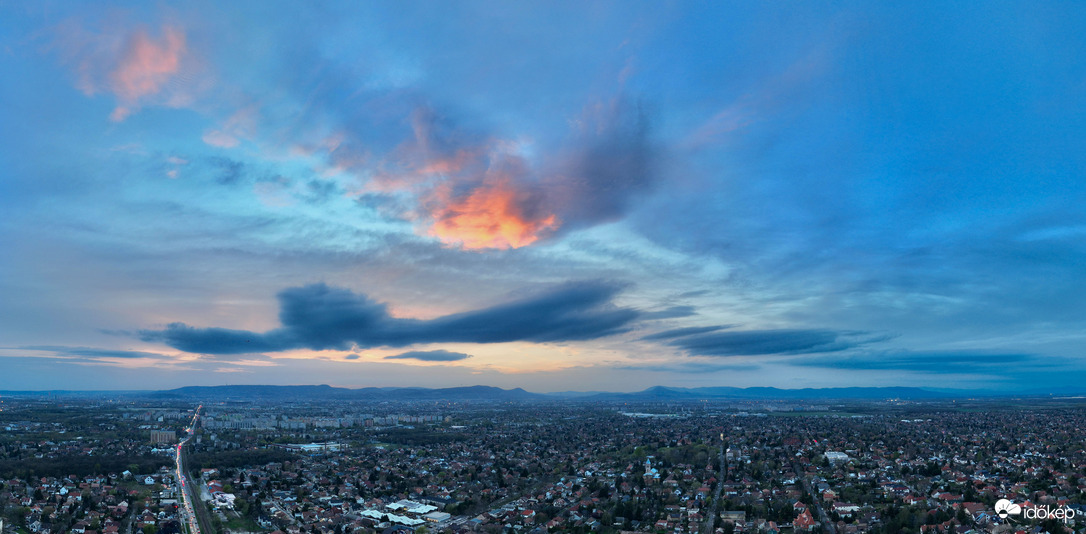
<point>539,195</point>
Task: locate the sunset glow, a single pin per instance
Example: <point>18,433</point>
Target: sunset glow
<point>492,216</point>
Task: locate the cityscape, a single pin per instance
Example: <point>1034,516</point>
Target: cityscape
<point>153,464</point>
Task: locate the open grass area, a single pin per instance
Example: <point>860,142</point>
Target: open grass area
<point>242,524</point>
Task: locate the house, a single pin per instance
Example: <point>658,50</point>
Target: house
<point>804,522</point>
<point>845,509</point>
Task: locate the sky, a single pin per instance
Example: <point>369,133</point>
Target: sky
<point>559,196</point>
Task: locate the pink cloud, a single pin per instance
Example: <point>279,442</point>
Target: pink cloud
<point>144,68</point>
<point>240,125</point>
<point>415,170</point>
<point>136,67</point>
<point>146,65</point>
<point>120,113</point>
<point>726,122</point>
<point>763,100</point>
<point>220,139</point>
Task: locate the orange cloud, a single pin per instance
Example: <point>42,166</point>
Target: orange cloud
<point>472,193</point>
<point>491,216</point>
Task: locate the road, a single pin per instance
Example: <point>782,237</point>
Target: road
<point>822,516</point>
<point>188,500</point>
<point>828,525</point>
<point>710,522</point>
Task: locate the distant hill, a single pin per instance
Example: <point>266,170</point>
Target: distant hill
<point>471,393</point>
<point>488,393</point>
<point>661,393</point>
<point>494,394</point>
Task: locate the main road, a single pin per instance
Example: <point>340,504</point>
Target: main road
<point>188,498</point>
<point>827,526</point>
<point>710,521</point>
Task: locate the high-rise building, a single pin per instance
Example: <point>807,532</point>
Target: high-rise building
<point>163,437</point>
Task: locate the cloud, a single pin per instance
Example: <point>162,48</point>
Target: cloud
<point>1005,371</point>
<point>936,362</point>
<point>320,317</point>
<point>477,190</point>
<point>471,192</point>
<point>220,139</point>
<point>611,161</point>
<point>229,171</point>
<point>430,356</point>
<point>763,342</point>
<point>135,66</point>
<point>217,340</point>
<point>320,191</point>
<point>91,353</point>
<point>682,332</point>
<point>691,368</point>
<point>119,333</point>
<point>470,184</point>
<point>496,199</point>
<point>673,312</point>
<point>734,118</point>
<point>146,64</point>
<point>494,215</point>
<point>241,125</point>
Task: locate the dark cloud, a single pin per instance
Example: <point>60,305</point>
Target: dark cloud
<point>682,332</point>
<point>320,191</point>
<point>691,368</point>
<point>614,160</point>
<point>674,312</point>
<point>763,342</point>
<point>320,317</point>
<point>351,357</point>
<point>430,356</point>
<point>118,333</point>
<point>217,340</point>
<point>932,362</point>
<point>227,171</point>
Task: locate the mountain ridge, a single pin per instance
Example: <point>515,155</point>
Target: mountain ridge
<point>492,393</point>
